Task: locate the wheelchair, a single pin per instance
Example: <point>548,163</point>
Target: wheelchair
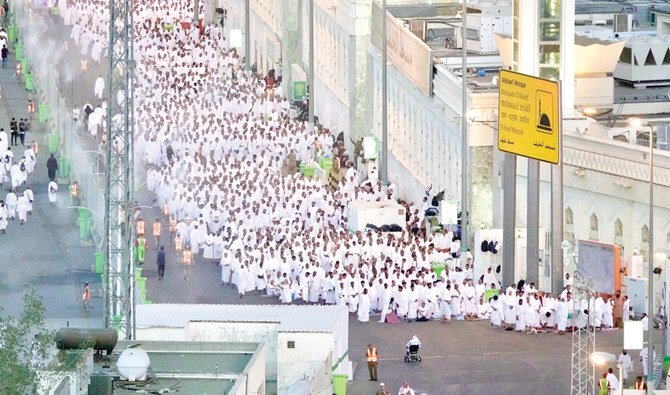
<point>412,354</point>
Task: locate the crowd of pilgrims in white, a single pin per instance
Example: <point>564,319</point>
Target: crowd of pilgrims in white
<point>215,142</point>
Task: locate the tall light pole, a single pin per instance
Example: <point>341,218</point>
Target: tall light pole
<point>465,145</point>
<point>310,84</point>
<point>383,165</point>
<point>196,12</point>
<point>247,36</point>
<point>637,122</point>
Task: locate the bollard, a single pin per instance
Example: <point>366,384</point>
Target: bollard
<point>29,82</point>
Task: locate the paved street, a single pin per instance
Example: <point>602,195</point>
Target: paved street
<point>45,253</point>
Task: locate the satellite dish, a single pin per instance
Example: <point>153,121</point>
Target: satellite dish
<point>133,364</point>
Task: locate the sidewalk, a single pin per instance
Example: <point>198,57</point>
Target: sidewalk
<point>45,252</point>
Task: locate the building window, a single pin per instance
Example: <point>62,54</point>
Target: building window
<point>550,9</point>
<point>626,56</point>
<point>618,228</point>
<point>569,217</point>
<point>550,54</point>
<point>593,235</point>
<point>550,31</point>
<point>650,61</point>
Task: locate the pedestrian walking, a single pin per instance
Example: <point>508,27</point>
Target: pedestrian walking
<point>5,53</point>
<point>86,297</point>
<point>372,357</point>
<point>160,262</point>
<point>186,261</point>
<point>140,249</point>
<point>53,197</point>
<point>52,166</point>
<point>156,232</point>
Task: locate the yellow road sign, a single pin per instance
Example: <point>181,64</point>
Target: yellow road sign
<point>529,116</point>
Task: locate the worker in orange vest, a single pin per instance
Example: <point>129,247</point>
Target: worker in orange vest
<point>166,211</point>
<point>140,227</point>
<point>156,231</point>
<point>74,193</point>
<point>86,297</point>
<point>186,262</point>
<point>178,245</point>
<point>372,357</point>
<point>35,147</point>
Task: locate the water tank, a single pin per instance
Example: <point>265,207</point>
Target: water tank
<point>133,364</point>
<point>82,338</point>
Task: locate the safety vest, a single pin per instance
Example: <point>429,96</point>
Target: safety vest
<point>173,225</point>
<point>140,227</point>
<point>74,190</point>
<point>31,107</point>
<point>157,229</point>
<point>166,209</point>
<point>18,68</point>
<point>141,242</point>
<point>372,354</point>
<point>178,244</point>
<point>36,147</point>
<point>87,294</point>
<point>187,257</point>
<point>639,385</point>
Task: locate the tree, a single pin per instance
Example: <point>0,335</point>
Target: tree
<point>23,341</point>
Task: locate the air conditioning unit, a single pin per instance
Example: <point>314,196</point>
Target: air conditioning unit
<point>623,23</point>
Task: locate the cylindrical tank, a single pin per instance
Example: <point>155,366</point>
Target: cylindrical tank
<point>133,364</point>
<point>81,338</point>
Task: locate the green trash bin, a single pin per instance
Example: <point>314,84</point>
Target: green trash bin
<point>63,168</point>
<point>340,384</point>
<point>29,82</point>
<point>666,364</point>
<point>142,284</point>
<point>18,51</point>
<point>53,142</point>
<point>84,228</point>
<point>99,266</point>
<point>11,32</point>
<point>42,111</point>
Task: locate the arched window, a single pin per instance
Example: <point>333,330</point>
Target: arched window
<point>593,235</point>
<point>569,217</point>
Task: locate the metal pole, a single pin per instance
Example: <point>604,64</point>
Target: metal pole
<point>533,223</point>
<point>557,260</point>
<point>383,165</point>
<point>509,219</point>
<point>196,11</point>
<point>465,146</point>
<point>247,36</point>
<point>310,84</point>
<point>650,269</point>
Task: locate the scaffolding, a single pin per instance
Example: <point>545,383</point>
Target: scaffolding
<point>118,284</point>
<point>583,337</point>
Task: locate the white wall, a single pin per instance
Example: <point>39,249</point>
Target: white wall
<point>239,333</point>
<point>310,352</point>
<point>253,379</point>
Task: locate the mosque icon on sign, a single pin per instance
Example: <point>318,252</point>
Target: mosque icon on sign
<point>545,111</point>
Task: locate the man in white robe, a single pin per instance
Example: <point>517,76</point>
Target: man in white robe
<point>363,306</point>
<point>22,208</point>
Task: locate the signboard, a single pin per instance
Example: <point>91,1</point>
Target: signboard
<point>529,117</point>
<point>633,335</point>
<point>236,38</point>
<point>404,49</point>
<point>299,90</point>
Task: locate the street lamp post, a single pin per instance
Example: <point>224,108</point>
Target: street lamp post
<point>465,145</point>
<point>637,122</point>
<point>664,254</point>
